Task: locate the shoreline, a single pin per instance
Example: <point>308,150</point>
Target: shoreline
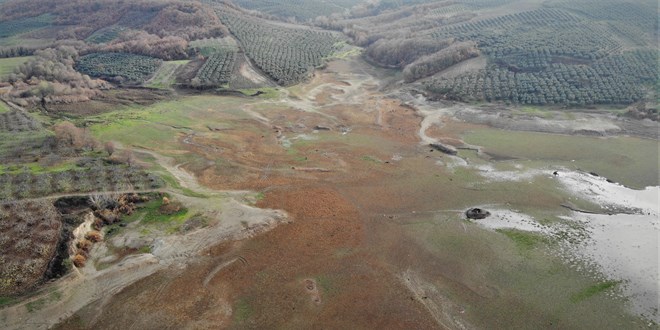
<point>575,122</point>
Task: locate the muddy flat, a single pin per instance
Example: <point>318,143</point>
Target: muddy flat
<point>331,210</point>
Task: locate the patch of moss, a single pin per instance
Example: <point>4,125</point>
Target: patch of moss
<point>594,290</point>
<point>145,249</point>
<point>4,301</point>
<point>370,159</point>
<point>36,305</point>
<point>174,184</point>
<point>525,241</point>
<point>243,310</point>
<point>151,212</point>
<point>326,284</point>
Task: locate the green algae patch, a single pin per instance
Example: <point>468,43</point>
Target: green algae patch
<point>593,290</point>
<point>524,240</point>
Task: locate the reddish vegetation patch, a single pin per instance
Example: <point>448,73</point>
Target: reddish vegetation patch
<point>110,100</point>
<point>325,242</point>
<point>29,233</point>
<point>303,274</point>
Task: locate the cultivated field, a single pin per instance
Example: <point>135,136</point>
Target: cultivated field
<point>288,55</point>
<point>7,65</point>
<point>119,67</point>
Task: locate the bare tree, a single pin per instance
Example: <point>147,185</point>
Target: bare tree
<point>103,201</point>
<point>79,138</point>
<point>109,148</point>
<point>128,157</point>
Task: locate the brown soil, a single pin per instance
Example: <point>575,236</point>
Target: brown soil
<point>348,258</point>
<point>306,273</point>
<point>270,284</point>
<point>110,100</point>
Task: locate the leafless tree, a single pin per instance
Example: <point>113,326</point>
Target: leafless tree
<point>79,138</point>
<point>103,201</point>
<point>109,148</point>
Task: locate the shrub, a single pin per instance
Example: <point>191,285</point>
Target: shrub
<point>94,236</point>
<point>79,260</point>
<point>84,245</point>
<point>170,208</point>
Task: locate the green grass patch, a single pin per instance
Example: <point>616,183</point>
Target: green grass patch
<point>242,311</point>
<point>23,25</point>
<point>345,51</point>
<point>174,184</point>
<point>370,159</point>
<point>208,47</point>
<point>136,132</point>
<point>145,249</point>
<point>153,215</point>
<point>8,65</point>
<point>524,240</point>
<point>36,168</point>
<point>5,301</point>
<point>536,111</point>
<point>628,160</point>
<point>594,290</point>
<point>266,93</point>
<point>14,140</point>
<point>55,296</point>
<point>156,126</point>
<point>106,34</point>
<point>36,305</point>
<point>326,284</point>
<point>40,303</point>
<point>22,41</point>
<point>165,77</point>
<point>151,212</point>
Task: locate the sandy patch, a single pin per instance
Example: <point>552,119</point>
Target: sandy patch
<point>611,195</point>
<point>490,173</point>
<point>625,248</point>
<point>506,219</point>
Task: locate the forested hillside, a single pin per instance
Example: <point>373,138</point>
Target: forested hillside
<point>570,53</point>
<point>538,52</point>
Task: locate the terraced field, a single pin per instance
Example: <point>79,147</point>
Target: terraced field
<point>288,55</point>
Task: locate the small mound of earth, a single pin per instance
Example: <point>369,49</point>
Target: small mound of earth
<point>312,290</point>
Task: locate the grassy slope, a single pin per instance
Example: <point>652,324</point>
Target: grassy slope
<point>165,76</point>
<point>7,65</point>
<point>151,126</point>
